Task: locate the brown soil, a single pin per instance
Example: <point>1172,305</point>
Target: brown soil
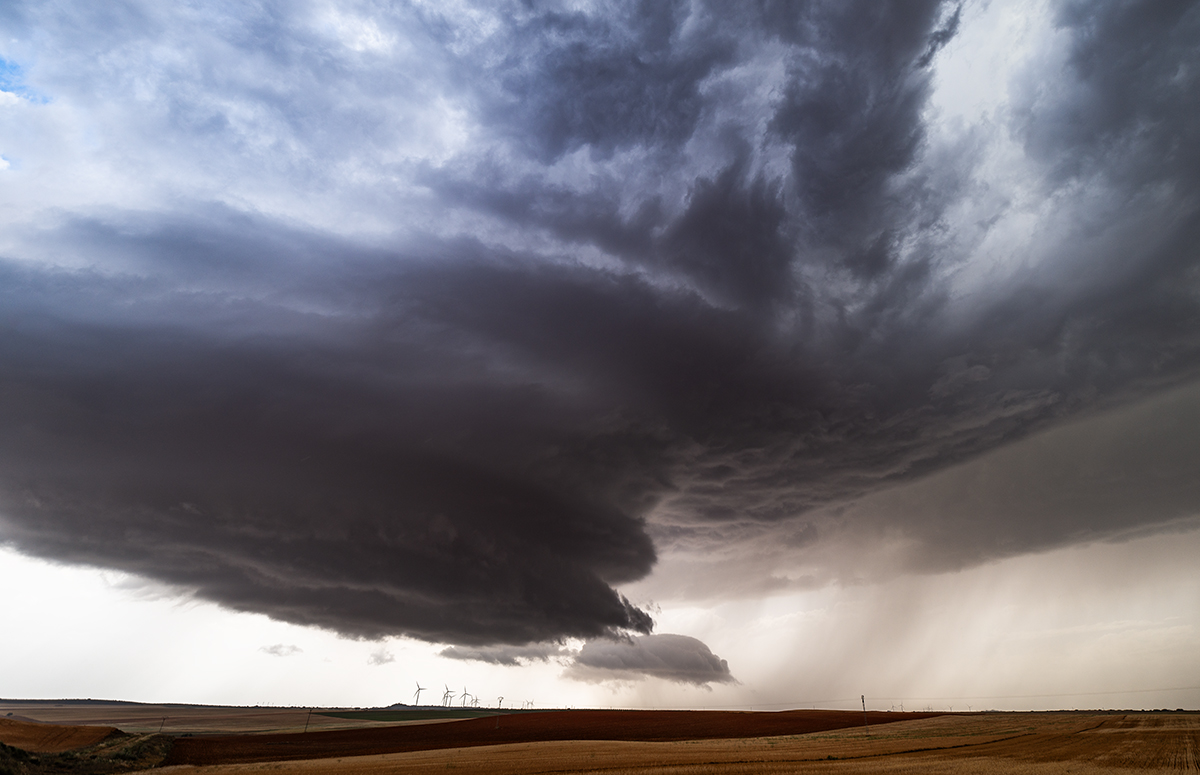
<point>50,738</point>
<point>627,725</point>
<point>996,743</point>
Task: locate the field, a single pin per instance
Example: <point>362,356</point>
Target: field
<point>179,719</point>
<point>51,738</point>
<point>668,742</point>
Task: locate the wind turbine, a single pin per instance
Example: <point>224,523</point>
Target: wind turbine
<point>499,702</point>
<point>417,696</point>
<point>464,697</point>
<point>448,697</point>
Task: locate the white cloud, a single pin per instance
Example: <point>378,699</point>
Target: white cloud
<point>355,32</point>
<point>380,656</point>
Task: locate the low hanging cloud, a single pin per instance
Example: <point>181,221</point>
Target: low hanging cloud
<point>677,658</point>
<point>509,656</point>
<point>282,650</point>
<point>459,324</point>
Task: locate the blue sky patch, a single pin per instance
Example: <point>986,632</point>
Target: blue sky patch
<point>12,79</point>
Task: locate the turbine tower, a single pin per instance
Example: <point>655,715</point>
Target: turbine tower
<point>417,696</point>
<point>500,702</point>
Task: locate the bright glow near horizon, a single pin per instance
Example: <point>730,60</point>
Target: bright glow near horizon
<point>1032,632</point>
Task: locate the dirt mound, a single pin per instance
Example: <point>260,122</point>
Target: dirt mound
<point>49,738</point>
<point>629,725</point>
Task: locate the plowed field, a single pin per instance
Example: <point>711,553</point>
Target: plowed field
<point>624,725</point>
<point>649,743</point>
<point>989,744</point>
<point>49,738</point>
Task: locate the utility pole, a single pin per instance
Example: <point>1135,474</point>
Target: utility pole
<point>863,697</point>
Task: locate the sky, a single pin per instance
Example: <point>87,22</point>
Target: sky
<point>659,354</point>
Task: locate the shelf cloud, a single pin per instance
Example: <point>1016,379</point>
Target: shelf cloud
<point>447,323</point>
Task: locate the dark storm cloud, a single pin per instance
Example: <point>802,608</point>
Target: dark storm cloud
<point>651,297</point>
<point>510,656</point>
<point>851,113</point>
<point>848,115</point>
<point>350,473</point>
<point>1111,317</point>
<point>1083,480</point>
<point>677,658</point>
<point>630,75</point>
<point>1126,104</point>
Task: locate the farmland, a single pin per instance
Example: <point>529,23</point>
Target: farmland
<point>676,742</point>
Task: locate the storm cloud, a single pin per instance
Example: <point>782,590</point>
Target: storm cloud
<point>669,657</point>
<point>446,323</point>
<point>510,656</point>
<point>676,658</point>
